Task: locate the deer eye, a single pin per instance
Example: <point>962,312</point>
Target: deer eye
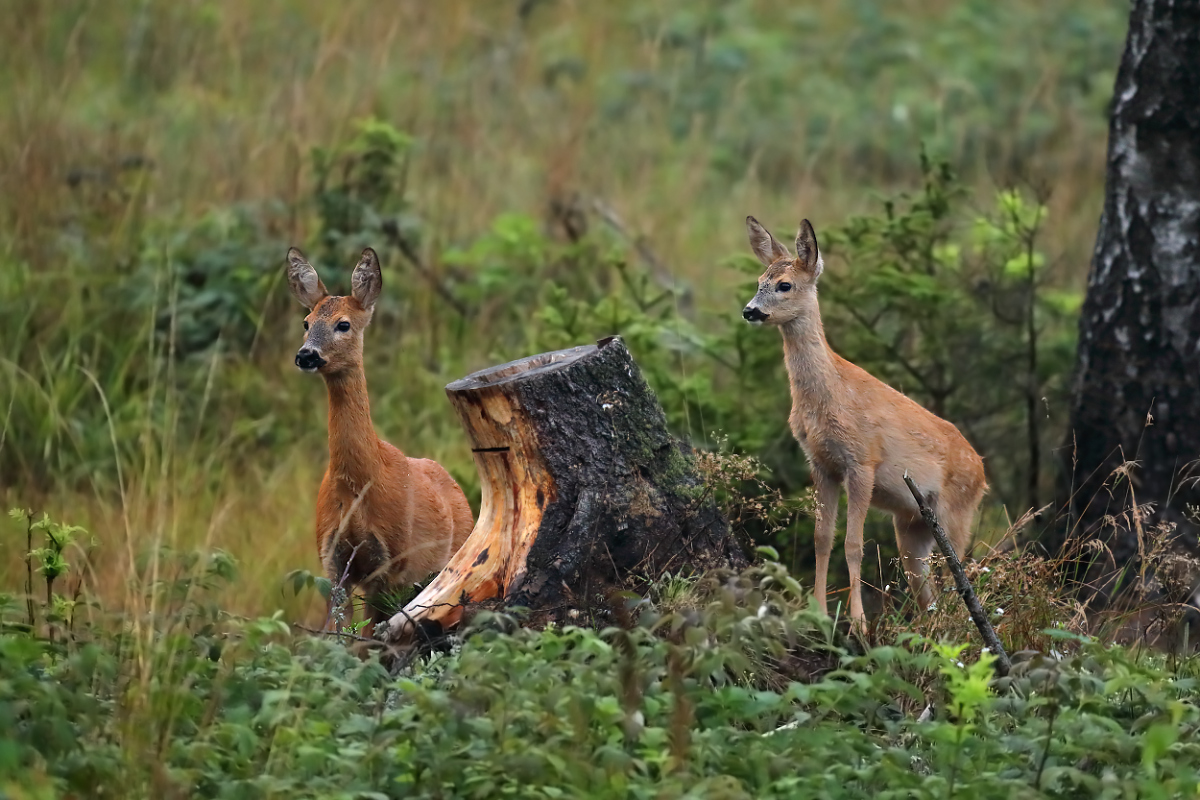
<point>343,326</point>
<point>305,324</point>
<point>784,287</point>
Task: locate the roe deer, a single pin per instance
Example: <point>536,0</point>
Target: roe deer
<point>858,431</point>
<point>383,519</point>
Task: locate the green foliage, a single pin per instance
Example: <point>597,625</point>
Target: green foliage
<point>954,309</point>
<point>514,249</point>
<point>746,695</point>
<point>300,579</point>
<point>967,685</point>
<point>50,562</point>
<point>361,188</point>
<point>499,273</point>
<point>204,286</point>
<point>95,368</point>
<point>51,559</point>
<point>866,82</point>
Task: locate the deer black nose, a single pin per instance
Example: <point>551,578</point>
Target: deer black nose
<point>753,314</point>
<point>309,359</point>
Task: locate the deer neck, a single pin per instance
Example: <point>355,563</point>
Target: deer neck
<point>354,453</point>
<point>811,370</point>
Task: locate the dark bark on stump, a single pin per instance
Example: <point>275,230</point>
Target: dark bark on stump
<point>1137,388</point>
<point>584,489</point>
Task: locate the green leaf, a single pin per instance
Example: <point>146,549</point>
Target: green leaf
<point>1156,741</point>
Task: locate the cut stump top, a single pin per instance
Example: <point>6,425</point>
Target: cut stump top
<point>525,368</point>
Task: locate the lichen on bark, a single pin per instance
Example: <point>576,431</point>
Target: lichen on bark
<point>1136,394</point>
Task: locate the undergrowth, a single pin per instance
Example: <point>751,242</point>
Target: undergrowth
<point>745,691</point>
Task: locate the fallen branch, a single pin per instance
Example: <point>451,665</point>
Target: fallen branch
<point>660,271</point>
<point>1003,665</point>
<point>354,637</point>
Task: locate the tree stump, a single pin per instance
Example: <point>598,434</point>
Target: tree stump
<point>584,489</point>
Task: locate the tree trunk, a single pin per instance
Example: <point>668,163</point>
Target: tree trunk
<point>1137,389</point>
<point>584,491</point>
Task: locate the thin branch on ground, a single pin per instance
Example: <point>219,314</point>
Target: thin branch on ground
<point>1003,665</point>
<point>340,634</point>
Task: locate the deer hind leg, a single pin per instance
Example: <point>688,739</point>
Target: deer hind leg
<point>915,543</point>
<point>957,523</point>
<point>859,486</point>
<point>355,564</point>
<point>827,514</point>
<point>377,609</point>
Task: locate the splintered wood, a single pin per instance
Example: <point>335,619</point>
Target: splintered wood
<point>583,491</point>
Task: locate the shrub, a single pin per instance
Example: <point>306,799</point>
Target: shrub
<point>746,692</point>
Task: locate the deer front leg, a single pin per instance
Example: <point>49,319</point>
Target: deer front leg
<point>827,513</point>
<point>859,486</point>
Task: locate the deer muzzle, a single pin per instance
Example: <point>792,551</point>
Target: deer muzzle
<point>309,359</point>
<point>754,315</point>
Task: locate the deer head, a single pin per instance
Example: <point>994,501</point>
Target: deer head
<point>788,289</point>
<point>334,325</point>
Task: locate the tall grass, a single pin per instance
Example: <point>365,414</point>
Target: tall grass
<point>145,137</point>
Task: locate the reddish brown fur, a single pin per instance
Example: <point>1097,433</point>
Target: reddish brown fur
<point>383,519</point>
<point>860,432</point>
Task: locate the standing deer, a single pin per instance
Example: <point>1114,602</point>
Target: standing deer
<point>858,431</point>
<point>383,519</point>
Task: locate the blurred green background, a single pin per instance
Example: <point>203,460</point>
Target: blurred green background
<point>535,175</point>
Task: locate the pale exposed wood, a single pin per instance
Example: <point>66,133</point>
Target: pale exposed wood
<point>584,489</point>
<point>491,563</point>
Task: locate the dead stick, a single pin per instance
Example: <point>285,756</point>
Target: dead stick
<point>1003,665</point>
<point>339,635</point>
<point>394,234</point>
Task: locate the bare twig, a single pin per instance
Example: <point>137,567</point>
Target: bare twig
<point>660,271</point>
<point>340,635</point>
<point>895,354</point>
<point>405,246</point>
<point>410,625</point>
<point>29,603</point>
<point>341,584</point>
<point>1003,665</point>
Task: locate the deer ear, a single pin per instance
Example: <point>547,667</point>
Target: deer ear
<point>306,286</point>
<point>808,256</point>
<point>765,246</point>
<point>367,280</point>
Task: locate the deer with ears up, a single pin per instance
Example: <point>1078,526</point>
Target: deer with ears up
<point>859,432</point>
<point>383,519</point>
